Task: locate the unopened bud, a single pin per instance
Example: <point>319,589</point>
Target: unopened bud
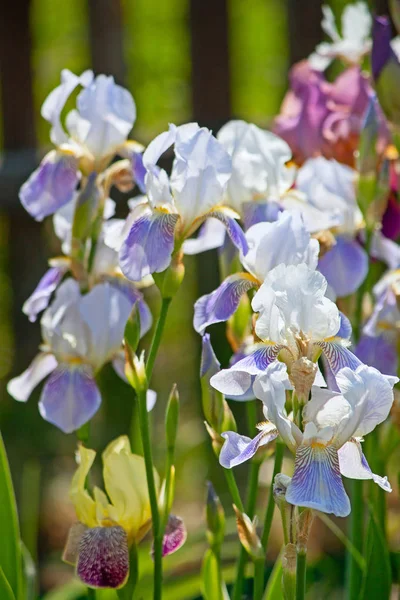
<point>172,417</point>
<point>86,209</point>
<point>215,517</point>
<point>248,534</point>
<point>326,241</point>
<point>302,375</point>
<point>216,440</point>
<point>228,421</point>
<point>170,280</point>
<point>212,400</point>
<point>135,370</point>
<point>132,329</point>
<point>280,485</point>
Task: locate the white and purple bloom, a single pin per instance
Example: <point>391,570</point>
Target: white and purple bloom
<point>285,241</point>
<point>296,324</point>
<point>80,334</point>
<point>330,446</point>
<point>94,132</point>
<point>330,187</point>
<point>179,204</point>
<point>355,41</point>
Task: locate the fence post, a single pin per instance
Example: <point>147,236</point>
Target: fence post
<point>304,19</point>
<point>106,38</point>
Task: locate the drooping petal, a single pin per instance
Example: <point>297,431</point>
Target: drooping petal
<point>317,482</point>
<point>85,506</point>
<point>354,465</point>
<point>260,212</point>
<point>211,235</point>
<point>239,448</point>
<point>149,246</point>
<point>135,297</point>
<point>209,363</point>
<point>222,302</point>
<point>70,397</point>
<point>103,557</point>
<point>345,330</point>
<point>238,379</point>
<point>233,229</point>
<point>338,356</point>
<point>174,536</point>
<point>345,266</point>
<point>22,386</point>
<point>51,186</point>
<point>39,299</point>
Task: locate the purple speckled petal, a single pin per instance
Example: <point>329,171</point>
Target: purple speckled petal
<point>175,535</point>
<point>345,266</point>
<point>149,245</point>
<point>339,356</point>
<point>378,352</point>
<point>238,379</point>
<point>259,212</point>
<point>233,229</point>
<point>70,397</point>
<point>39,299</point>
<point>51,186</point>
<point>103,557</point>
<point>317,482</point>
<point>222,302</point>
<point>239,448</point>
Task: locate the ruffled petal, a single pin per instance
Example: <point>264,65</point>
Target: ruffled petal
<point>317,482</point>
<point>233,229</point>
<point>51,186</point>
<point>149,246</point>
<point>70,397</point>
<point>239,448</point>
<point>21,387</point>
<point>39,299</point>
<point>238,379</point>
<point>354,465</point>
<point>345,266</point>
<point>222,302</point>
<point>103,557</point>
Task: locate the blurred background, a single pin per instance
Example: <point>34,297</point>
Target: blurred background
<point>203,60</point>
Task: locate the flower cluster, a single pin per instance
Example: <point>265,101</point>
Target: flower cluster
<point>297,217</point>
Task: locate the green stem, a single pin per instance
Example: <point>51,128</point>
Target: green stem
<point>354,573</point>
<point>155,342</point>
<point>258,580</point>
<point>91,593</point>
<point>233,489</point>
<point>301,569</point>
<point>269,513</point>
<point>252,485</point>
<point>155,515</point>
<point>83,433</point>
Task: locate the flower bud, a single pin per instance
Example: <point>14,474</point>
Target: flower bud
<point>280,485</point>
<point>170,280</point>
<point>135,370</point>
<point>172,417</point>
<point>302,375</point>
<point>215,518</point>
<point>212,400</point>
<point>87,206</point>
<point>216,440</point>
<point>132,329</point>
<point>248,535</point>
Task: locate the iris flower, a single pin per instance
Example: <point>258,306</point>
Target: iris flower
<point>94,133</point>
<point>110,523</point>
<point>178,205</point>
<point>296,324</point>
<point>330,446</point>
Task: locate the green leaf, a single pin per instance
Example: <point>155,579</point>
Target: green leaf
<point>274,585</point>
<point>377,581</point>
<point>30,574</point>
<point>10,547</point>
<point>74,590</point>
<point>213,586</point>
<point>6,592</point>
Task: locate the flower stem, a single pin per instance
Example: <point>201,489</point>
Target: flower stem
<point>258,580</point>
<point>301,569</point>
<point>280,447</point>
<point>155,515</point>
<point>356,530</point>
<point>233,488</point>
<point>155,342</point>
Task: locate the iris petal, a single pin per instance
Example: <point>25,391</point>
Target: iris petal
<point>103,557</point>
